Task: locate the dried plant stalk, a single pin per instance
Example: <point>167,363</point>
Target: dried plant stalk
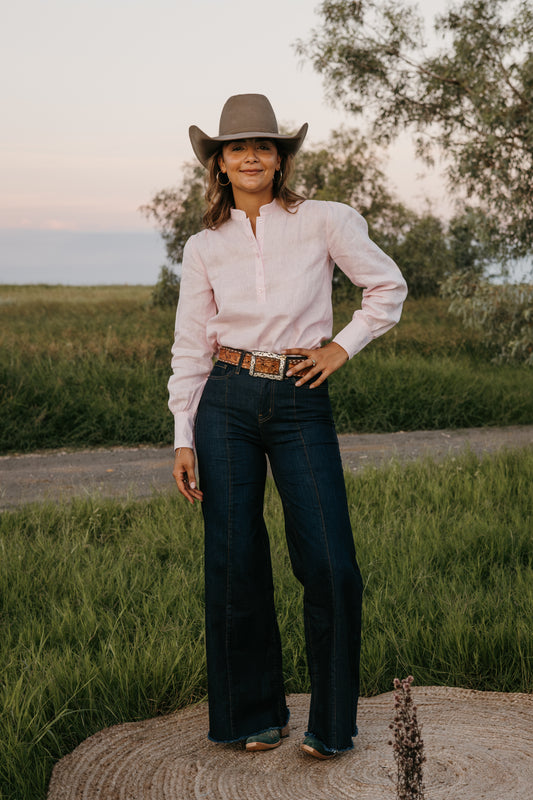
<point>407,746</point>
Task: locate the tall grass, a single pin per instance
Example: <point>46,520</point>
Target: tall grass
<point>102,601</point>
<point>89,366</point>
<point>381,391</point>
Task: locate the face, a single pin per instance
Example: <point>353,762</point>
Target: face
<point>250,164</point>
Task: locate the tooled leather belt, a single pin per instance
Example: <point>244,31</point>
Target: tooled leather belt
<point>261,364</point>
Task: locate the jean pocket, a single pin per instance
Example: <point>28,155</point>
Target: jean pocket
<point>220,370</point>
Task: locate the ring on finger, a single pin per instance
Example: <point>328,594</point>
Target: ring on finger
<point>313,362</point>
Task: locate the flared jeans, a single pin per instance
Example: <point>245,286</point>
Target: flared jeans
<point>242,419</point>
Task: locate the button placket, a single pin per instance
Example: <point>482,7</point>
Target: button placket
<point>259,265</point>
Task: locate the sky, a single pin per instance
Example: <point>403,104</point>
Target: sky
<point>98,96</point>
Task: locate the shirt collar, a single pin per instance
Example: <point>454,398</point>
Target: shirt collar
<point>238,214</point>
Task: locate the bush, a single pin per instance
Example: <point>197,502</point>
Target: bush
<point>167,289</point>
<point>503,314</point>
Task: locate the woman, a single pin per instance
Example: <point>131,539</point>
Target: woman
<point>256,293</point>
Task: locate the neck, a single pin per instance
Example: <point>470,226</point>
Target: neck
<point>251,203</point>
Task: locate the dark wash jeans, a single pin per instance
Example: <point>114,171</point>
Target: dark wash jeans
<point>240,419</point>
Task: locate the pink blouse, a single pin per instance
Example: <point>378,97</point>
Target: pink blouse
<point>272,291</point>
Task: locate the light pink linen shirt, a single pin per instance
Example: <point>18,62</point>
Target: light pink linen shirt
<point>272,291</point>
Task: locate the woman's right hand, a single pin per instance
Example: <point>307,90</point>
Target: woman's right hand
<point>183,473</point>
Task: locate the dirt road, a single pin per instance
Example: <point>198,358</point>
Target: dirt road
<point>141,471</point>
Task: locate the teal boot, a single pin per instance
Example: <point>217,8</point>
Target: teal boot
<point>314,747</point>
<point>267,740</point>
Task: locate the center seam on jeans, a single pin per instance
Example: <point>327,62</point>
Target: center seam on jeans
<point>228,571</point>
<point>334,682</point>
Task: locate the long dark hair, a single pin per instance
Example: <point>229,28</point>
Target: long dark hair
<point>220,198</point>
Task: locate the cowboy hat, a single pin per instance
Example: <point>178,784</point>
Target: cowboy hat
<point>244,116</point>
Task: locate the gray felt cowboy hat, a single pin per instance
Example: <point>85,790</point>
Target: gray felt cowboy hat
<point>244,116</point>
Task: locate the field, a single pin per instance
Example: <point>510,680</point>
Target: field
<point>101,611</point>
<point>102,608</point>
<point>84,367</point>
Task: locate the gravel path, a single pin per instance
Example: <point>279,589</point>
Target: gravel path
<point>141,471</point>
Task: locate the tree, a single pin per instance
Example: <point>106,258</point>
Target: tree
<point>423,254</point>
<point>347,169</point>
<point>473,98</point>
<point>166,292</point>
<point>469,255</point>
<point>178,211</point>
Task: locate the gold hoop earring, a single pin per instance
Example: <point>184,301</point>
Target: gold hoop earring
<point>218,179</point>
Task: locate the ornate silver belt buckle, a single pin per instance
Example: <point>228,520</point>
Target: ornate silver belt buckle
<point>280,358</point>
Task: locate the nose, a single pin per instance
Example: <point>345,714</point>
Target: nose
<point>251,155</point>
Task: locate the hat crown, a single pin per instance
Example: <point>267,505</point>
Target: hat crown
<point>244,113</point>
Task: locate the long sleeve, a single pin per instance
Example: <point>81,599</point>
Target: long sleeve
<point>193,348</point>
<point>272,291</point>
<point>367,266</point>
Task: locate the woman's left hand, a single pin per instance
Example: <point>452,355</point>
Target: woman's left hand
<point>321,363</point>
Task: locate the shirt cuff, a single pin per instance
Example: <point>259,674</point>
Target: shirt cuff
<point>354,336</point>
<point>183,430</point>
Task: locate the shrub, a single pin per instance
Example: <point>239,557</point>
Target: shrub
<point>503,313</point>
<point>167,289</point>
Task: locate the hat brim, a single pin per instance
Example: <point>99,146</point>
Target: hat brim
<point>205,146</point>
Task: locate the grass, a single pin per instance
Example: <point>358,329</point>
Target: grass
<point>88,366</point>
<point>101,613</point>
<point>384,393</point>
